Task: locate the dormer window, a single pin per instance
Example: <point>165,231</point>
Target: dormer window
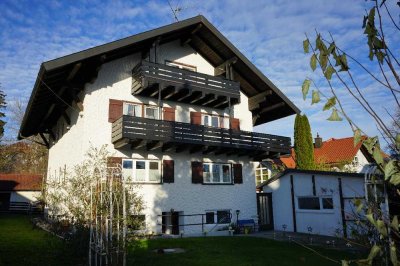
<point>181,65</point>
<point>355,161</point>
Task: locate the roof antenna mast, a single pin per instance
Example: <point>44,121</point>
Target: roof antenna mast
<point>175,11</point>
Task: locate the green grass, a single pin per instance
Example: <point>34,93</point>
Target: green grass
<point>228,251</point>
<point>21,244</point>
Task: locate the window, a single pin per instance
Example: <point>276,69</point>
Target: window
<point>217,173</point>
<point>141,170</point>
<point>151,112</point>
<point>218,217</point>
<point>181,66</point>
<point>309,203</point>
<point>355,161</point>
<point>132,109</point>
<point>215,121</point>
<point>262,174</point>
<point>327,203</point>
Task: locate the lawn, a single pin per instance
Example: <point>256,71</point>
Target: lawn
<point>21,244</point>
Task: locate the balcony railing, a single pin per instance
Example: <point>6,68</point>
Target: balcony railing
<point>166,135</point>
<point>149,79</point>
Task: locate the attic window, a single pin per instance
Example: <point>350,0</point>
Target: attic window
<point>181,66</point>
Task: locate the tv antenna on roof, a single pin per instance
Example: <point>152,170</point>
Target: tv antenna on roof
<point>175,11</point>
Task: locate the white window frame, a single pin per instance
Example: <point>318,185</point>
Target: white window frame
<point>132,177</point>
<point>154,108</point>
<point>124,109</point>
<point>215,212</point>
<point>180,66</point>
<point>220,167</point>
<point>262,170</point>
<point>223,122</point>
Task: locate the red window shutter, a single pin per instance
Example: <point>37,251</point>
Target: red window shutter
<point>195,118</point>
<point>168,171</point>
<point>114,110</point>
<point>114,161</point>
<point>237,173</point>
<point>235,124</point>
<point>197,172</point>
<point>169,114</point>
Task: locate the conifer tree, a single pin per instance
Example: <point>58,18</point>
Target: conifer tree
<point>303,144</point>
<point>2,114</point>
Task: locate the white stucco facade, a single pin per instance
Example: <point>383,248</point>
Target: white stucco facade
<point>322,221</point>
<point>90,128</point>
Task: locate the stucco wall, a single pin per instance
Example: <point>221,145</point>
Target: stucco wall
<point>90,128</point>
<point>324,221</point>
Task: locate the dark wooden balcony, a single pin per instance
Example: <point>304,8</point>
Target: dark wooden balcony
<point>175,84</point>
<point>150,134</point>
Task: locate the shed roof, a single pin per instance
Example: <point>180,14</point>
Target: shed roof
<point>20,182</point>
<point>60,80</point>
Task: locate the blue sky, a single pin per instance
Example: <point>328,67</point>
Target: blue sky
<point>269,33</point>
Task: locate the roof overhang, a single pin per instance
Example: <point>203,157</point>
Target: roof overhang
<point>59,81</point>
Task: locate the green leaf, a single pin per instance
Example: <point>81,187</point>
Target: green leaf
<point>393,255</point>
<point>328,72</point>
<point>377,154</point>
<point>323,60</point>
<point>371,16</point>
<point>364,22</point>
<point>395,223</point>
<point>343,63</point>
<point>315,97</point>
<point>331,48</point>
<point>335,116</point>
<point>370,218</point>
<point>305,88</point>
<point>390,169</point>
<point>395,179</point>
<point>398,141</point>
<point>370,143</point>
<point>313,62</point>
<point>306,46</point>
<point>380,225</point>
<point>330,103</point>
<point>378,43</point>
<point>380,56</point>
<point>374,252</point>
<point>357,136</point>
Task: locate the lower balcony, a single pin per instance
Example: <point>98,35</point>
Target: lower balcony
<point>150,134</point>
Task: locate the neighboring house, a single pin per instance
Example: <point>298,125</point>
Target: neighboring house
<point>177,106</point>
<point>316,202</point>
<point>19,191</point>
<point>335,155</point>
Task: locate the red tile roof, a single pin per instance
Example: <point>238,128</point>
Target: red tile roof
<point>20,182</point>
<point>332,151</point>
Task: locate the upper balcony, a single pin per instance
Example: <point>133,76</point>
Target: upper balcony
<point>150,134</point>
<point>175,84</point>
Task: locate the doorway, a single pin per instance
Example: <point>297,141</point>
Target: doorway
<point>264,209</point>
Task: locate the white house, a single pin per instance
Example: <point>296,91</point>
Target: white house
<point>316,202</point>
<point>177,106</point>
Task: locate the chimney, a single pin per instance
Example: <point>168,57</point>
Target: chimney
<point>318,142</point>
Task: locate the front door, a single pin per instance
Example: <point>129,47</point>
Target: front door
<point>264,208</point>
<point>175,223</point>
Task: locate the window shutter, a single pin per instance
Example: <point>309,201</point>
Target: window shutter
<point>197,172</point>
<point>235,124</point>
<point>237,173</point>
<point>169,113</point>
<point>168,171</point>
<point>195,118</point>
<point>114,110</point>
<point>114,161</point>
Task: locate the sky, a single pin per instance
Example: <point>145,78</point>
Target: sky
<point>269,33</point>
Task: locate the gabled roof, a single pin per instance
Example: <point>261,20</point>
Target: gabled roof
<point>60,80</point>
<point>20,182</point>
<point>332,151</point>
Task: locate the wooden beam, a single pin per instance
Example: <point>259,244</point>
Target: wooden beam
<point>220,100</point>
<point>198,96</point>
<point>212,99</point>
<point>272,107</point>
<point>46,142</point>
<point>121,143</point>
<point>188,37</point>
<point>74,71</point>
<point>66,118</point>
<point>154,145</point>
<point>51,133</point>
<point>168,92</point>
<point>221,69</point>
<point>260,97</point>
<point>185,95</point>
<point>208,150</point>
<point>138,144</point>
<point>167,146</point>
<point>221,103</point>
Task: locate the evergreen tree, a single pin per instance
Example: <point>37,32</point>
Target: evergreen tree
<point>303,144</point>
<point>2,115</point>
